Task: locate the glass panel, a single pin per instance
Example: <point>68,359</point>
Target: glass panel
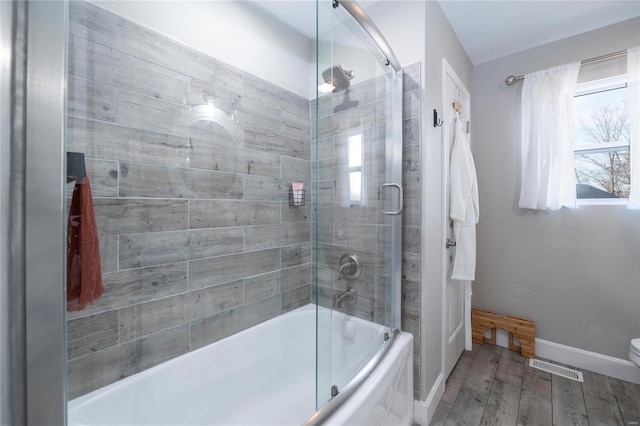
<point>192,137</point>
<point>603,174</point>
<point>192,140</point>
<point>322,147</point>
<point>601,117</point>
<point>601,138</point>
<point>353,238</point>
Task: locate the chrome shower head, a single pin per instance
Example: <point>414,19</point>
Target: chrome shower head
<point>338,77</point>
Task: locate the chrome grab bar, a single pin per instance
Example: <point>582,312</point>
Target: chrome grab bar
<point>400,198</point>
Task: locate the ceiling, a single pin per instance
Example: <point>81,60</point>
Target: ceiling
<point>492,29</point>
<point>301,14</point>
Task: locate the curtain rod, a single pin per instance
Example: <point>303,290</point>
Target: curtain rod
<point>511,80</point>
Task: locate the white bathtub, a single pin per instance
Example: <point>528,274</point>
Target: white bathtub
<point>265,375</point>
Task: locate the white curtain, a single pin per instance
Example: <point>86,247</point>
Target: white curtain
<point>548,176</point>
<point>633,74</point>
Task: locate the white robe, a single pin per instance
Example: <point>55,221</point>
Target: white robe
<point>463,206</point>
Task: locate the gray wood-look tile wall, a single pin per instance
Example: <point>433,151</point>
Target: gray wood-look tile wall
<point>344,225</point>
<point>197,238</point>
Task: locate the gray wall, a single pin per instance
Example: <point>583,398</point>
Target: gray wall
<point>253,39</point>
<point>574,272</point>
<point>197,239</point>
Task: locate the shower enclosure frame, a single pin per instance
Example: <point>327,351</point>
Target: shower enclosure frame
<point>394,164</point>
<point>38,201</point>
<point>39,343</point>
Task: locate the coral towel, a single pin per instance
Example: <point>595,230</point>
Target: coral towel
<point>84,280</point>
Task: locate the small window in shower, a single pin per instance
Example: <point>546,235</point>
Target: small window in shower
<point>355,167</point>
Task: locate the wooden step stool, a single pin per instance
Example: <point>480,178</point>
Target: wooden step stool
<point>523,329</point>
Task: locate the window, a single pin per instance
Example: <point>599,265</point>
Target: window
<point>601,135</point>
<point>355,167</point>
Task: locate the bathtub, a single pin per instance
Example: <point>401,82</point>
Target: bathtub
<point>265,375</point>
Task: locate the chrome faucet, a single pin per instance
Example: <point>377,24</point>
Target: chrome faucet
<point>347,296</point>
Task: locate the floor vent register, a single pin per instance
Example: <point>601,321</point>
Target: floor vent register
<point>557,370</point>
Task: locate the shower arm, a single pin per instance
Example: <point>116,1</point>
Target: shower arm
<point>367,24</point>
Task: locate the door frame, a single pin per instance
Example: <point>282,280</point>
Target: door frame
<point>448,71</point>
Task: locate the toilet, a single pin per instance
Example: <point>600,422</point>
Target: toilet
<point>634,352</point>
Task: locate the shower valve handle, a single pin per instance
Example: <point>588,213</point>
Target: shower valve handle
<point>350,267</point>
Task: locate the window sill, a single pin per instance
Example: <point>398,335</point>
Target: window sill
<point>602,201</point>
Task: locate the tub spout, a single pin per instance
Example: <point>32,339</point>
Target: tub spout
<point>348,296</point>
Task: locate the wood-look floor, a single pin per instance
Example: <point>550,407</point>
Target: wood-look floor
<point>495,386</point>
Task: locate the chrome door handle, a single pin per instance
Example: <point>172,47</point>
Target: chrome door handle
<point>400,198</point>
<point>450,243</point>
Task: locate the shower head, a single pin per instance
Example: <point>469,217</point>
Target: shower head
<point>338,77</point>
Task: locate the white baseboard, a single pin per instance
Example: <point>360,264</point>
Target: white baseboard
<point>602,364</point>
<point>592,361</point>
<point>423,410</point>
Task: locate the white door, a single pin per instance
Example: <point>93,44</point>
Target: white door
<point>453,290</point>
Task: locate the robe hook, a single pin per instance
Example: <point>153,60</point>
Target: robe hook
<point>436,121</point>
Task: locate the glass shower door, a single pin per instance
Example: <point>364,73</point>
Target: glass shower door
<point>355,199</point>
